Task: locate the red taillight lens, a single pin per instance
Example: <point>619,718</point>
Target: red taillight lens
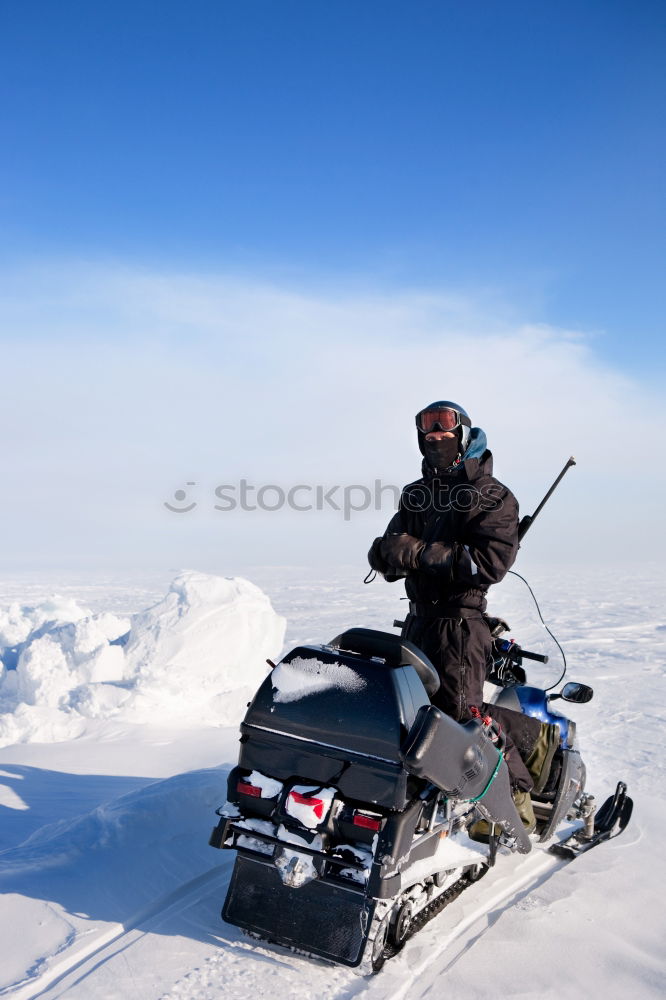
<point>317,805</point>
<point>245,788</point>
<point>367,822</point>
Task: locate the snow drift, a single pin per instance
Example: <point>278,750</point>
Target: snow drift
<point>193,658</point>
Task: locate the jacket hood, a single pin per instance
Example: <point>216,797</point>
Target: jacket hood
<point>477,444</point>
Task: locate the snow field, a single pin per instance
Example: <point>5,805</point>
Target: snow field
<point>108,882</point>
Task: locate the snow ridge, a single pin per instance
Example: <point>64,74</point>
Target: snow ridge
<point>195,657</point>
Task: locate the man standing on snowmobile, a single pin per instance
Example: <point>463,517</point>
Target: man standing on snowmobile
<point>454,534</point>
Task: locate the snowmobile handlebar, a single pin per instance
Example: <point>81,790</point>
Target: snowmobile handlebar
<point>516,653</point>
<point>526,655</point>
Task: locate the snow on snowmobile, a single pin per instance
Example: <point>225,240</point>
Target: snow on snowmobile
<point>353,799</point>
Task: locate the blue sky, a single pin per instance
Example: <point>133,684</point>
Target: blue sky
<point>511,150</point>
<point>220,218</point>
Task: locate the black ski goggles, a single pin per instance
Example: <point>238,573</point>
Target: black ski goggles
<point>442,419</point>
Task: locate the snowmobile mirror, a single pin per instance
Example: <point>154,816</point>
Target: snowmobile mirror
<point>578,693</point>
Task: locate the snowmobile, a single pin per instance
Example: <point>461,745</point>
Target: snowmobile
<point>355,805</point>
<point>351,805</point>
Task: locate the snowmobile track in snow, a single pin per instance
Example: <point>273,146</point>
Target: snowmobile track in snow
<point>88,956</point>
<point>460,924</point>
<point>455,927</point>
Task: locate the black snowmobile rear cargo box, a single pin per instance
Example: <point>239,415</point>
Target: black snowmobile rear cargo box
<point>337,718</point>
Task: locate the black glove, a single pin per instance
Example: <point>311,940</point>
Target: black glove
<point>375,558</point>
<point>437,557</point>
<point>496,625</point>
<point>401,552</point>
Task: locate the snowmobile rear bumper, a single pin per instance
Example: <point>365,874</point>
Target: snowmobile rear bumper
<point>380,884</point>
<point>318,918</point>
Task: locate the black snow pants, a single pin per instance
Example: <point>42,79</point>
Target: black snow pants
<point>460,649</point>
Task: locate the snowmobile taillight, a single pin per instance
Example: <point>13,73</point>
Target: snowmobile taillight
<point>317,805</point>
<point>245,788</point>
<point>366,821</point>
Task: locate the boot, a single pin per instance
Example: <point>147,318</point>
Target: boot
<point>540,760</point>
<point>480,830</point>
<point>523,803</point>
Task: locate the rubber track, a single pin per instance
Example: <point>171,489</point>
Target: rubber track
<point>430,911</point>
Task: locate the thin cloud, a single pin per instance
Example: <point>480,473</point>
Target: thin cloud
<point>126,383</point>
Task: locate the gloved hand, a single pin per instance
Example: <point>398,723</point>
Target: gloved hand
<point>437,557</point>
<point>401,552</point>
<point>376,559</point>
<point>450,560</point>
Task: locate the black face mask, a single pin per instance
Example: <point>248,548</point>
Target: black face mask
<point>441,454</point>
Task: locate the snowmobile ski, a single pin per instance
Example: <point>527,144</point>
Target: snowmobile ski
<point>600,826</point>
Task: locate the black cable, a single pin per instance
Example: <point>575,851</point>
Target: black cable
<point>564,659</point>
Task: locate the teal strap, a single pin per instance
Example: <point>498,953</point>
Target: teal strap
<point>492,778</point>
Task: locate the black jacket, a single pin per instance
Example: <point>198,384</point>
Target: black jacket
<point>453,535</point>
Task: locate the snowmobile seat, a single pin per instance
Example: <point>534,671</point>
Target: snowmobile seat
<point>394,650</point>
